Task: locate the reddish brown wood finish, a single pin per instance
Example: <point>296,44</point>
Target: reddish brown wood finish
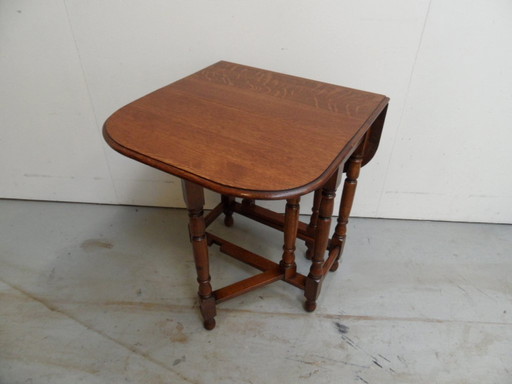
<point>271,271</point>
<point>291,225</point>
<point>361,156</point>
<point>272,219</point>
<point>314,279</point>
<point>245,132</point>
<point>255,134</point>
<point>374,134</point>
<point>317,198</point>
<point>228,204</point>
<point>347,199</point>
<point>194,199</point>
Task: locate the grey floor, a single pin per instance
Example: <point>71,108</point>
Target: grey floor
<point>107,294</point>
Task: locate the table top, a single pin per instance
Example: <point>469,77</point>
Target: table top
<point>245,131</point>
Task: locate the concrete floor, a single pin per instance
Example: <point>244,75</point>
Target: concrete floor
<point>107,294</point>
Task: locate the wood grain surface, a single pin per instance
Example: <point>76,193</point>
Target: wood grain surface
<point>244,131</point>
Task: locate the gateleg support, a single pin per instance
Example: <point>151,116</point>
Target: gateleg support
<point>352,169</point>
<point>314,279</point>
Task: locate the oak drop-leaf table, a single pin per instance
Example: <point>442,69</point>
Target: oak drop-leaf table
<point>251,134</point>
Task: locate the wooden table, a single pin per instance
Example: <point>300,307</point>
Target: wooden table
<point>251,134</point>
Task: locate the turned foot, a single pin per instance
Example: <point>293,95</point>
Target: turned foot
<point>209,324</point>
<point>228,221</point>
<point>228,204</point>
<point>310,306</point>
<point>337,252</point>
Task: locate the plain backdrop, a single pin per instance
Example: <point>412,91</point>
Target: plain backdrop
<point>66,65</point>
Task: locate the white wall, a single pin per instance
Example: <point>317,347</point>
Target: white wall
<point>66,65</point>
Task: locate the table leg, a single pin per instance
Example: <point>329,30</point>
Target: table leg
<point>194,199</point>
<point>347,198</point>
<point>247,202</point>
<point>314,279</point>
<point>313,222</point>
<point>291,225</point>
<point>227,202</point>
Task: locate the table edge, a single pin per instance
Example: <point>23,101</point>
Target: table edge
<point>248,193</point>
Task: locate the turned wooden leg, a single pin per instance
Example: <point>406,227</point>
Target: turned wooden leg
<point>347,198</point>
<point>313,222</point>
<point>194,199</point>
<point>291,224</point>
<point>314,279</point>
<point>227,203</point>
